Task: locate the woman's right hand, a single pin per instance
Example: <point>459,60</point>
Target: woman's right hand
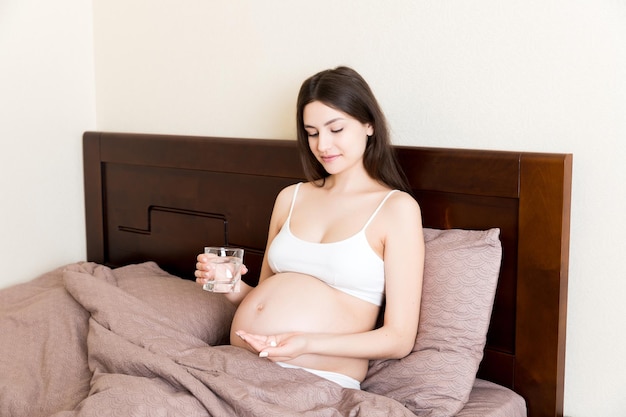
<point>204,269</point>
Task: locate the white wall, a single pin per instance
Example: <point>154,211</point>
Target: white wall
<point>47,99</point>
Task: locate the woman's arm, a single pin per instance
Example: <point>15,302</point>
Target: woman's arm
<point>404,265</point>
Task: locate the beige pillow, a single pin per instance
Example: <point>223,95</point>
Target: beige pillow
<point>202,314</point>
<point>460,276</point>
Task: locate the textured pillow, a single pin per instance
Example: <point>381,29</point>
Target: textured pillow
<point>202,314</point>
<point>461,272</point>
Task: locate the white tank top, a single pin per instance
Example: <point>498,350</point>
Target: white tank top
<point>350,265</point>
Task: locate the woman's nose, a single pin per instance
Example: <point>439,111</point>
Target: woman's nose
<point>324,142</point>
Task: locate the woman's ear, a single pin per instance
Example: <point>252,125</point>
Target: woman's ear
<point>370,129</point>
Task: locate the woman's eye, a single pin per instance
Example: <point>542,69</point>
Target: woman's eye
<point>313,135</point>
<point>337,130</point>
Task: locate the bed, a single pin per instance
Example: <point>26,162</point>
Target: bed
<point>126,333</point>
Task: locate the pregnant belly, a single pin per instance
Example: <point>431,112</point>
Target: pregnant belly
<point>291,302</point>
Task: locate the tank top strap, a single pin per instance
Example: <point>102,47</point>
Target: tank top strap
<point>378,209</point>
<point>293,202</point>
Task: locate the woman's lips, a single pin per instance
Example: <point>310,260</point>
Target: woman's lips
<point>329,158</point>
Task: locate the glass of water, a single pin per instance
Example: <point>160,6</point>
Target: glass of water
<point>226,265</point>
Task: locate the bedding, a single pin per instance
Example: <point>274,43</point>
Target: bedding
<point>88,340</point>
<point>81,345</point>
<point>488,399</point>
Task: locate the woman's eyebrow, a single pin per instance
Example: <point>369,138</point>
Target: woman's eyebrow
<point>327,123</point>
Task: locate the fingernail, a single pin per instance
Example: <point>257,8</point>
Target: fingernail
<point>273,343</point>
<point>263,355</point>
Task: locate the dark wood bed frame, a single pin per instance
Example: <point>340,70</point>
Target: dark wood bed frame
<point>164,197</point>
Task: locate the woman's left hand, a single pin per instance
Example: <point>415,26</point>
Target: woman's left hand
<point>277,348</point>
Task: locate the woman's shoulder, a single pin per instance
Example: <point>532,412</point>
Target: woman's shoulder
<point>288,192</point>
<point>285,196</point>
<point>282,204</point>
<point>400,204</point>
<point>402,198</point>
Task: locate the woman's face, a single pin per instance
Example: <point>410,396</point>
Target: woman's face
<point>336,139</point>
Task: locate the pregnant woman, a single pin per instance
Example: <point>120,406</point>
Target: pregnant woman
<point>338,246</point>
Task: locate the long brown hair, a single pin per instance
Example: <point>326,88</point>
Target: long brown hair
<point>345,90</point>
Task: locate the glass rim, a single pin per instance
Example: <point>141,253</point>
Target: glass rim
<point>232,249</point>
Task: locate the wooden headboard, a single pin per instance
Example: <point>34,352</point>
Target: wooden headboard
<point>164,197</point>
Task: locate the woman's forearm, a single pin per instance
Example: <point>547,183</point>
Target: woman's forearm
<point>380,343</point>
